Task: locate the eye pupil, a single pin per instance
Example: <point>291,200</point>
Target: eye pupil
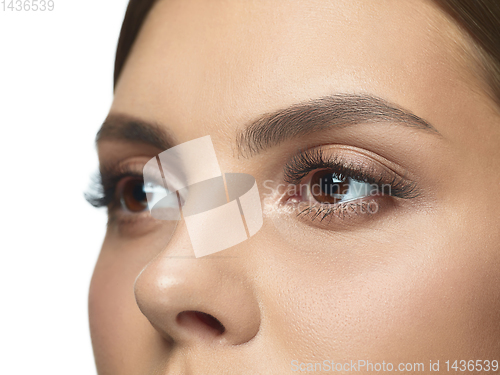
<point>132,194</point>
<point>138,193</point>
<point>326,186</point>
<point>329,184</point>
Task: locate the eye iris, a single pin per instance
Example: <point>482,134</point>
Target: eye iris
<point>132,195</point>
<point>328,187</point>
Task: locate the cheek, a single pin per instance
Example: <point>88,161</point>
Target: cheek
<point>473,270</point>
<point>424,293</point>
<point>121,335</point>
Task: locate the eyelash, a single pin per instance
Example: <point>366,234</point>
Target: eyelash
<point>315,160</point>
<point>103,188</point>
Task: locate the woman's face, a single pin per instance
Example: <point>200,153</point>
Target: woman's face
<point>416,279</point>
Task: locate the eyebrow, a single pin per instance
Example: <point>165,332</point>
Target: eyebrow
<point>128,128</point>
<point>333,111</point>
<point>271,129</point>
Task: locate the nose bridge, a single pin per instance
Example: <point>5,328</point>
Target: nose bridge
<point>189,299</point>
<point>220,210</point>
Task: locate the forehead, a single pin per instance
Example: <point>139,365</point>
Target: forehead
<point>206,66</point>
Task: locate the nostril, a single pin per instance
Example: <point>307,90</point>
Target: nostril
<point>193,317</point>
<point>210,321</point>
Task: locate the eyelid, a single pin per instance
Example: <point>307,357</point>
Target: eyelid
<point>357,164</point>
<point>102,192</point>
<point>153,184</point>
<point>121,219</point>
<point>351,162</point>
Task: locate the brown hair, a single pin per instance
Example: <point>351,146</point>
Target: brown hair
<point>136,13</point>
<point>479,18</point>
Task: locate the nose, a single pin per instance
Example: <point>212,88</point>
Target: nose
<point>192,300</point>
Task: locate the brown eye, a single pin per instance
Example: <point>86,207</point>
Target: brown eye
<point>132,195</point>
<point>328,187</point>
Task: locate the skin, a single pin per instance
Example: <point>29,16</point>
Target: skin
<point>419,281</point>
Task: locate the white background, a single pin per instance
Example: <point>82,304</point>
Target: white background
<point>56,73</point>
